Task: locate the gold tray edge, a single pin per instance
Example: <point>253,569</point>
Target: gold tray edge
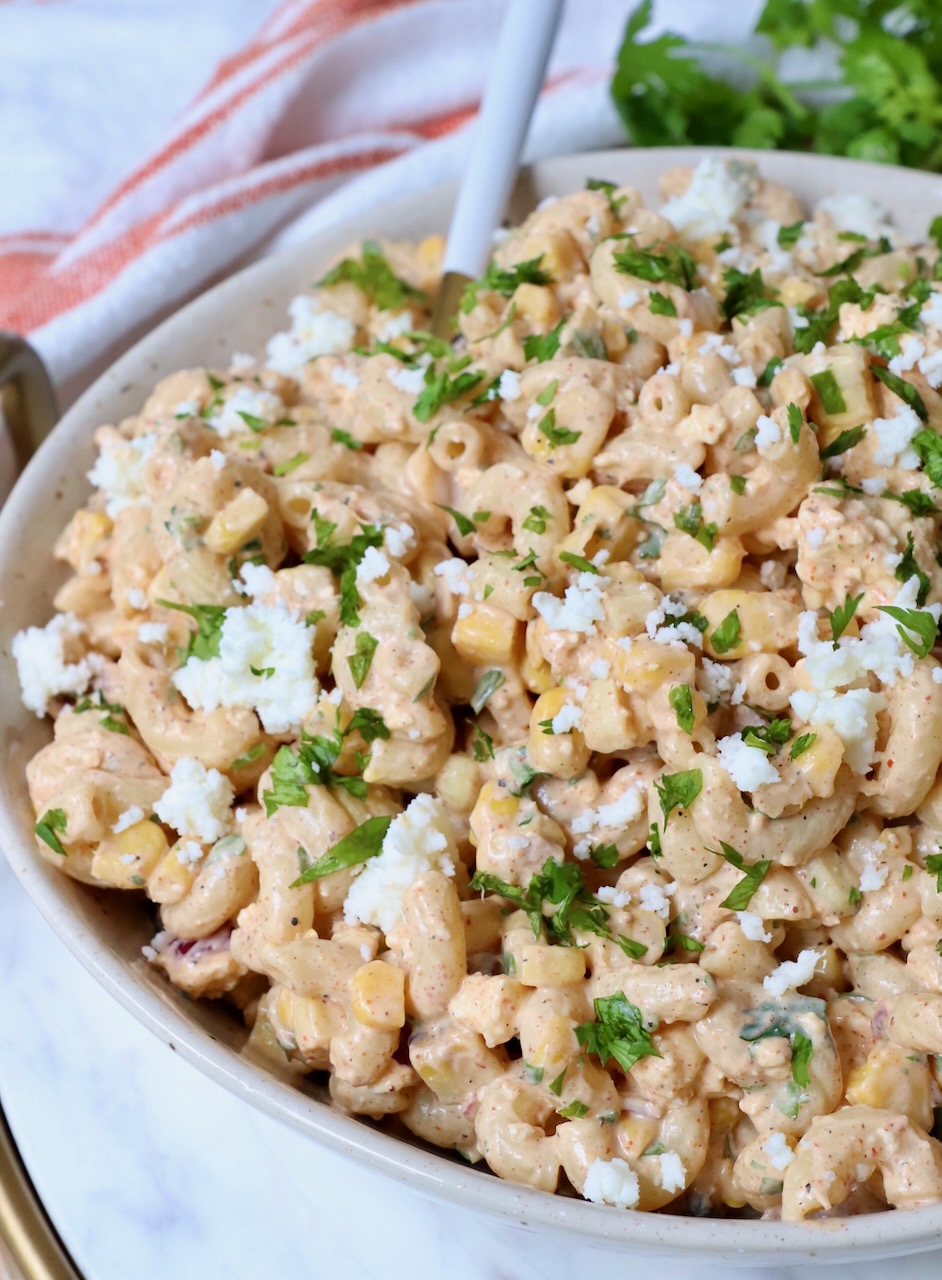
<point>24,1227</point>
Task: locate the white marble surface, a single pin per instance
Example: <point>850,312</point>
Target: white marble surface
<point>149,1170</point>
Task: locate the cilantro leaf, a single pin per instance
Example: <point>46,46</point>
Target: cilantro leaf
<point>670,263</point>
<point>789,236</point>
<point>801,745</point>
<point>363,843</point>
<point>728,634</point>
<point>372,274</point>
<point>917,500</point>
<point>905,390</point>
<point>536,520</point>
<point>928,446</point>
<point>361,660</point>
<point>689,520</point>
<point>345,438</point>
<point>841,616</point>
<point>489,683</point>
<point>618,1033</point>
<point>802,1051</point>
<point>742,893</point>
<point>464,525</point>
<point>829,391</point>
<point>543,346</point>
<point>204,641</point>
<point>442,389</point>
<point>934,867</point>
<point>660,305</point>
<point>841,443</point>
<point>578,562</point>
<point>556,435</point>
<point>678,790</point>
<point>681,700</point>
<point>52,820</point>
<point>505,280</point>
<point>746,295</point>
<point>914,621</point>
<point>908,568</point>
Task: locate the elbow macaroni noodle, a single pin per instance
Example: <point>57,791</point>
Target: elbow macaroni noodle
<point>540,733</point>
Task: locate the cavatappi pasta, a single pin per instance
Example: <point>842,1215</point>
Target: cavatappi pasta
<point>540,733</point>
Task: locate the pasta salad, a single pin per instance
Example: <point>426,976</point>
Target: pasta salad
<point>536,735</point>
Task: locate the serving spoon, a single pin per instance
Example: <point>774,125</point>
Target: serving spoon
<point>523,49</point>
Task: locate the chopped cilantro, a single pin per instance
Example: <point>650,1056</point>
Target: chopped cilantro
<point>52,820</point>
<point>678,790</point>
<point>841,616</point>
<point>618,1032</point>
<point>681,700</point>
<point>363,843</point>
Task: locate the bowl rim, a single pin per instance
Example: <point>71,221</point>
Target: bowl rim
<point>429,1172</point>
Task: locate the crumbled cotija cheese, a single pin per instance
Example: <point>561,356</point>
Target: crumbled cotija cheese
<point>508,387</point>
<point>198,801</point>
<point>792,973</point>
<point>753,929</point>
<point>777,1149</point>
<point>673,1173</point>
<point>852,211</point>
<point>313,333</point>
<point>611,1182</point>
<point>119,473</point>
<point>152,633</point>
<point>749,767</point>
<point>277,643</point>
<point>373,565</point>
<point>456,574</point>
<point>399,540</point>
<point>50,661</point>
<point>344,377</point>
<point>768,433</point>
<point>716,679</point>
<point>568,717</point>
<point>687,478</point>
<point>227,420</point>
<point>411,381</point>
<point>579,610</point>
<point>128,819</point>
<point>420,839</point>
<point>893,439</point>
<point>713,201</point>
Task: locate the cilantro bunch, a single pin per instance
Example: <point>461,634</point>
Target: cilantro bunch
<point>884,101</point>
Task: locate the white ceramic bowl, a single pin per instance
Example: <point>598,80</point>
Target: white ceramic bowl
<point>105,930</point>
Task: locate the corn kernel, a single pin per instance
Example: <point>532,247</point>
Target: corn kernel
<point>127,859</point>
<point>486,636</point>
<point>495,800</point>
<point>377,995</point>
<point>540,966</point>
<point>431,251</point>
<point>240,520</point>
<point>536,303</point>
<point>793,291</point>
<point>893,1079</point>
<point>171,880</point>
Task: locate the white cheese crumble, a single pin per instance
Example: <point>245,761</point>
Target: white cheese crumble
<point>153,633</point>
<point>189,853</point>
<point>396,326</point>
<point>792,973</point>
<point>313,333</point>
<point>567,718</point>
<point>894,436</point>
<point>49,661</point>
<point>768,433</point>
<point>579,610</point>
<point>712,202</point>
<point>687,478</point>
<point>777,1149</point>
<point>508,388</point>
<point>744,377</point>
<point>931,312</point>
<point>616,815</point>
<point>873,485</point>
<point>227,421</point>
<point>344,377</point>
<point>853,715</point>
<point>749,767</point>
<point>400,540</point>
<point>137,599</point>
<point>456,574</point>
<point>751,924</point>
<point>128,819</point>
<point>374,565</point>
<point>198,801</point>
<point>937,675</point>
<point>241,360</point>
<point>411,381</point>
<point>611,1182</point>
<point>119,473</point>
<point>615,897</point>
<point>277,643</point>
<point>187,409</point>
<point>656,898</point>
<point>685,327</point>
<point>912,350</point>
<point>217,458</point>
<point>814,538</point>
<point>671,633</point>
<point>420,839</point>
<point>600,669</point>
<point>673,1173</point>
<point>930,367</point>
<point>873,876</point>
<point>629,299</point>
<point>716,680</point>
<point>851,211</point>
